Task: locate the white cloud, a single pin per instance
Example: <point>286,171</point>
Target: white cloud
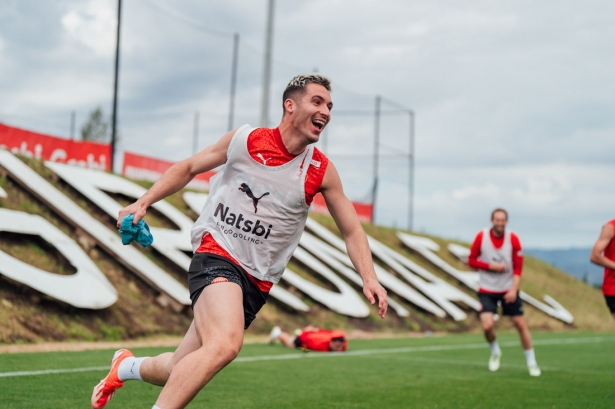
<point>93,24</point>
<point>551,205</point>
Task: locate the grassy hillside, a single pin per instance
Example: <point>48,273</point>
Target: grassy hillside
<point>29,316</point>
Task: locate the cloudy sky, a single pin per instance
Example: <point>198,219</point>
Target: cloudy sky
<point>514,100</point>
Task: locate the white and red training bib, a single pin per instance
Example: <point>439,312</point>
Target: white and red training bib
<point>488,280</point>
<point>256,212</point>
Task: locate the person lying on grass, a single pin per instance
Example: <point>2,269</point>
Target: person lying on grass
<point>312,338</point>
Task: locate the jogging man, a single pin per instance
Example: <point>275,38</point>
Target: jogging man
<point>603,254</point>
<point>496,253</point>
<point>311,338</point>
<point>244,237</point>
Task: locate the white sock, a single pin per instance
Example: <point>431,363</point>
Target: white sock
<point>495,348</point>
<point>130,369</point>
<point>155,407</point>
<point>530,357</point>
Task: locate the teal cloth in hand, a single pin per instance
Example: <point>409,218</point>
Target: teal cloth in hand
<point>138,232</point>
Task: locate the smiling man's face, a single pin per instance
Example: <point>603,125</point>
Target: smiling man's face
<point>312,111</point>
<point>499,220</point>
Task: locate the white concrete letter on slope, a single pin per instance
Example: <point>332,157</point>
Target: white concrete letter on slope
<point>341,263</point>
<point>93,184</point>
<point>388,280</point>
<point>109,240</point>
<point>87,288</point>
<point>196,202</point>
<point>426,248</point>
<point>438,290</point>
<point>346,301</point>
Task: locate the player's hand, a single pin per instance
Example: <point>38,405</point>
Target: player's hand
<point>136,208</point>
<point>373,290</point>
<point>510,296</point>
<point>497,267</point>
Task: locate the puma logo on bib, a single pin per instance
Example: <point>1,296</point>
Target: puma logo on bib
<point>245,188</point>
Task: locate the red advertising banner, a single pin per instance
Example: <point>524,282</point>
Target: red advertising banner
<point>140,167</point>
<point>364,210</point>
<point>91,155</point>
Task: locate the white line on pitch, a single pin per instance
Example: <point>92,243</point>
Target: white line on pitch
<point>484,365</point>
<point>428,348</point>
<point>52,371</point>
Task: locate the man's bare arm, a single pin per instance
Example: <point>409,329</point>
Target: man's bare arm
<point>356,241</point>
<point>606,235</point>
<point>178,176</point>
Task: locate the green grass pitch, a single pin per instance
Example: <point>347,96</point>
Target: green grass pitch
<point>437,372</point>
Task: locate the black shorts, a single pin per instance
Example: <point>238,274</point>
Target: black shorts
<point>205,267</point>
<point>489,303</point>
<point>610,302</point>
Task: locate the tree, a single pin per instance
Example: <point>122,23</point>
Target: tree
<point>95,128</point>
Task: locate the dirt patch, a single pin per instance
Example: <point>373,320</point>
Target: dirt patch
<point>174,341</point>
<point>89,346</point>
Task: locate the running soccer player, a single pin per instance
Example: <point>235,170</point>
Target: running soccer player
<point>496,253</point>
<point>312,338</point>
<point>603,254</point>
<point>243,239</point>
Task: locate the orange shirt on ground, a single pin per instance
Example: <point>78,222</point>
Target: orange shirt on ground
<point>319,340</point>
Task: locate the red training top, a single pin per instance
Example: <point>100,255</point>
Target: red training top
<point>265,146</point>
<point>319,340</point>
<point>498,242</point>
<point>608,285</point>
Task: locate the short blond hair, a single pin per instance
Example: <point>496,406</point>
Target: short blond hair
<point>298,83</point>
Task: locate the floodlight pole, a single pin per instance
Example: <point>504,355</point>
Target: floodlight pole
<point>267,66</point>
<point>411,173</point>
<point>72,125</point>
<point>376,153</point>
<point>117,64</point>
<point>231,111</point>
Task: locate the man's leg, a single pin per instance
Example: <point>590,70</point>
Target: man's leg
<point>287,339</point>
<point>218,322</point>
<point>156,370</point>
<point>610,303</point>
<point>524,331</point>
<point>526,341</point>
<point>486,319</point>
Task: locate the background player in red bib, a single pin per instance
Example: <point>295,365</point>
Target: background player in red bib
<point>496,253</point>
<point>603,254</point>
<point>312,338</point>
<point>243,239</point>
